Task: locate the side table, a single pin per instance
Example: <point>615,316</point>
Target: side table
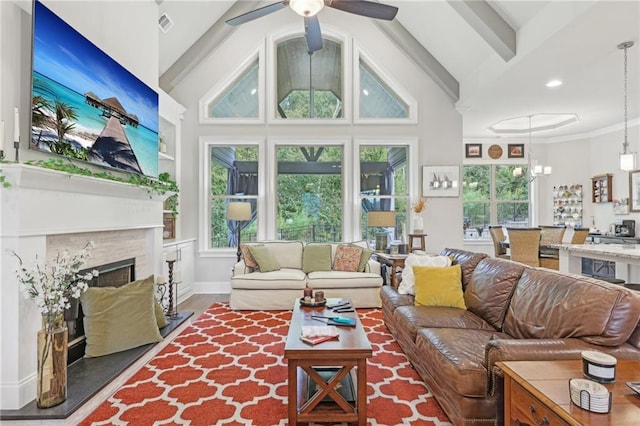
<point>394,261</point>
<point>537,392</point>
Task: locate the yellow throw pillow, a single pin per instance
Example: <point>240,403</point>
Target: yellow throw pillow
<point>439,286</point>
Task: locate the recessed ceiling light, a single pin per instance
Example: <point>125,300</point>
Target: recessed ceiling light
<point>554,83</point>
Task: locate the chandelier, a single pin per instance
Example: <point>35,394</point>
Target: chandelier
<point>627,159</point>
<point>534,169</point>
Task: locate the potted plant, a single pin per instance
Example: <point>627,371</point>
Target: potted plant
<point>418,207</point>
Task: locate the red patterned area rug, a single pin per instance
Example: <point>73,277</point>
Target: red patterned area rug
<point>227,368</point>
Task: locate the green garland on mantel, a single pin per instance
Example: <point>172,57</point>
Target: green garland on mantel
<point>159,186</point>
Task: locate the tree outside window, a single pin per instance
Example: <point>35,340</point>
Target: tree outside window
<point>493,196</point>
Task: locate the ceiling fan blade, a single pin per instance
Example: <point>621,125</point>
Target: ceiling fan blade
<point>312,33</point>
<point>365,8</point>
<point>257,13</point>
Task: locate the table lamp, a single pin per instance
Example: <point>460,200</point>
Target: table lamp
<point>239,211</point>
<point>381,219</point>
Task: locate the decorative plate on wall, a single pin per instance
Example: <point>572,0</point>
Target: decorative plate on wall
<point>495,151</point>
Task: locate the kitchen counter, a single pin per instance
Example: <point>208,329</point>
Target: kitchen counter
<point>622,254</point>
<point>611,239</point>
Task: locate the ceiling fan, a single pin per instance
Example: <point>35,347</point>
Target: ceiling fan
<point>309,9</point>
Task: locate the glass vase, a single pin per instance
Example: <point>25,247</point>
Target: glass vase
<point>52,361</point>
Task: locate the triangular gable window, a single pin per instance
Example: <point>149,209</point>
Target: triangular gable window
<point>238,99</point>
<point>379,99</point>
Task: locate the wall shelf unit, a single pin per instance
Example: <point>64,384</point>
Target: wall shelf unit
<point>171,113</point>
<point>602,188</point>
<point>567,206</point>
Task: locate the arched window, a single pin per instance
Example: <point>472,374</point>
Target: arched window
<point>309,85</point>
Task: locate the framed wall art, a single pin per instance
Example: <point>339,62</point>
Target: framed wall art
<point>634,190</point>
<point>440,181</point>
<point>473,150</point>
<point>515,150</point>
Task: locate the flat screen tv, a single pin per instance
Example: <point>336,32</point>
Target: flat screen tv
<point>85,105</point>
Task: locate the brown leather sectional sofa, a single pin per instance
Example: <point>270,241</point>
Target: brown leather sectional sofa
<point>514,312</point>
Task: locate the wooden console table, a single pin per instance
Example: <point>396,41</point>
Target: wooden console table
<point>537,392</point>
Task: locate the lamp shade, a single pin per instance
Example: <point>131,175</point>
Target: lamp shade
<point>627,161</point>
<point>381,218</point>
<point>237,210</point>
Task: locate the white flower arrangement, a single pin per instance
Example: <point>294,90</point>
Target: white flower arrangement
<point>51,287</point>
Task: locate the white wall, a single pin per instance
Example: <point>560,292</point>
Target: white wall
<point>439,128</point>
<point>128,32</point>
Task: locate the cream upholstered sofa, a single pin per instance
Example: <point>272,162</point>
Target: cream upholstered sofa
<point>279,289</point>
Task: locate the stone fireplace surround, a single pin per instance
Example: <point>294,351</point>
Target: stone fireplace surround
<point>45,211</point>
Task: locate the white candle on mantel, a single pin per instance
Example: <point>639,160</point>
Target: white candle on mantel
<point>16,125</point>
<point>177,276</point>
<point>171,255</point>
<point>160,279</point>
<point>1,135</point>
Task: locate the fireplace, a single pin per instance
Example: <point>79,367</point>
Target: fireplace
<point>113,274</point>
<point>123,221</point>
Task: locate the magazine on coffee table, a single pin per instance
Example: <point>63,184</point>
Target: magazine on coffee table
<point>317,334</point>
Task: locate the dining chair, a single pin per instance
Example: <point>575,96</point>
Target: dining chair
<point>497,235</point>
<point>524,244</point>
<point>549,256</point>
<point>551,234</point>
<point>579,235</point>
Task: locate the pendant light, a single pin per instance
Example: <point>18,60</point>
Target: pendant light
<point>627,159</point>
<point>534,170</point>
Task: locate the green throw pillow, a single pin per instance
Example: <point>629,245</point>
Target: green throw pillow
<point>161,318</point>
<point>316,257</point>
<point>119,318</point>
<point>364,258</point>
<point>263,257</point>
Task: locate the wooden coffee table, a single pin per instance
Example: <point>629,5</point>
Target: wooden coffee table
<point>538,392</point>
<point>315,373</point>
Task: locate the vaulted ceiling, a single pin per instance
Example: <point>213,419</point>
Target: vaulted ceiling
<point>491,57</point>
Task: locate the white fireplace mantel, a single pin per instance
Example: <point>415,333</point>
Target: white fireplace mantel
<point>39,204</point>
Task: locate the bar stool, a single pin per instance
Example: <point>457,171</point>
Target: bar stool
<point>422,242</point>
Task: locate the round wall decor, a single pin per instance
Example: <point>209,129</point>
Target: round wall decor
<point>495,151</point>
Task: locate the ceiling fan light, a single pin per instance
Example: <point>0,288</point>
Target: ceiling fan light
<point>306,7</point>
<point>627,161</point>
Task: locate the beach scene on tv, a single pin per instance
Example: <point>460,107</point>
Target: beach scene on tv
<point>85,105</point>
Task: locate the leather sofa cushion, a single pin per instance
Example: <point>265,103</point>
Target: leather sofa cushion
<point>490,288</point>
<point>391,299</point>
<point>276,280</point>
<point>343,279</point>
<point>468,261</point>
<point>550,305</point>
<point>635,337</point>
<point>410,319</point>
<point>455,357</point>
